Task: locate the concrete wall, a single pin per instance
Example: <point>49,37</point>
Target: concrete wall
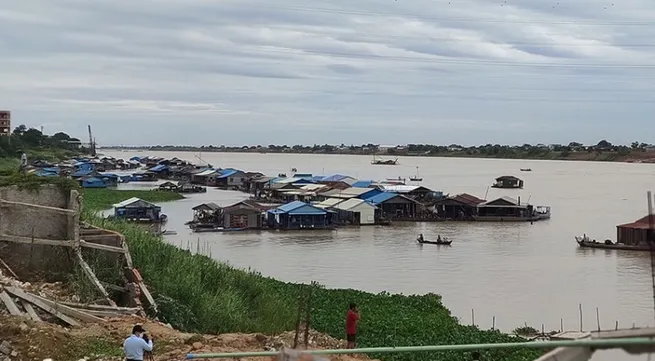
<point>25,259</point>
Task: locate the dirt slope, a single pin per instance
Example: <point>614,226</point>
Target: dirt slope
<point>39,340</point>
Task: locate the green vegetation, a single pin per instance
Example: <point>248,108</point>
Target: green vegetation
<point>602,151</point>
<point>38,145</point>
<point>103,198</point>
<point>198,294</point>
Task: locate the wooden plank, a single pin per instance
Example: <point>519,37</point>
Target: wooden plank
<point>92,276</point>
<point>6,203</point>
<point>6,266</point>
<point>114,287</point>
<point>103,247</point>
<point>30,310</point>
<point>39,241</point>
<point>106,314</point>
<point>74,216</point>
<point>149,297</point>
<point>99,237</point>
<point>9,303</point>
<point>126,310</point>
<point>68,311</point>
<point>38,303</point>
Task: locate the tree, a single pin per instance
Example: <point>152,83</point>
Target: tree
<point>61,136</point>
<point>32,137</point>
<point>603,144</point>
<point>20,130</point>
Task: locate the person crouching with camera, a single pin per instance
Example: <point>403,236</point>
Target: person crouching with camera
<point>137,345</point>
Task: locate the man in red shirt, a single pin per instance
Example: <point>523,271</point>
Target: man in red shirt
<point>351,325</point>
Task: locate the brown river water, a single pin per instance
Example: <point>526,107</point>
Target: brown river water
<point>516,272</point>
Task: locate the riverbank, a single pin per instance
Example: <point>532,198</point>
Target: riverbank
<point>198,294</point>
<point>615,154</point>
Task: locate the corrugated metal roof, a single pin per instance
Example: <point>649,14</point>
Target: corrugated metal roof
<point>207,206</point>
<point>507,199</point>
<point>298,207</point>
<point>362,184</point>
<point>382,197</point>
<point>227,173</point>
<point>132,201</point>
<point>353,203</point>
<point>158,168</point>
<point>330,202</point>
<point>338,178</point>
<point>206,172</point>
<point>641,223</point>
<point>402,188</point>
<point>82,173</point>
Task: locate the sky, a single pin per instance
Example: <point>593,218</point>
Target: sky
<point>235,72</point>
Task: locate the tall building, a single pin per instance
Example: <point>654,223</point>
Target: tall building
<point>5,122</point>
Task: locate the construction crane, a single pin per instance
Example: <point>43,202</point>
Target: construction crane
<point>92,143</point>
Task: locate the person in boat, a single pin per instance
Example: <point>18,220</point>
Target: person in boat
<point>420,238</point>
<point>439,238</point>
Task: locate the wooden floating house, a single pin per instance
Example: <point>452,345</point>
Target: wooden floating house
<point>635,233</point>
<point>507,209</point>
<point>138,210</point>
<point>508,182</point>
<point>460,207</point>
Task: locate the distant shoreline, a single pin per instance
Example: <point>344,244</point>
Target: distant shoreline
<point>635,156</point>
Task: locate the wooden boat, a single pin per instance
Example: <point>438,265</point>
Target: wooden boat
<point>585,242</point>
<point>443,242</point>
<point>526,170</point>
<point>377,161</point>
<point>416,178</point>
<point>218,229</point>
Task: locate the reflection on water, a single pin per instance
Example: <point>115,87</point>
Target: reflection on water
<point>516,272</point>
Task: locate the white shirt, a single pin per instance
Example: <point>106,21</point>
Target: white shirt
<point>134,347</point>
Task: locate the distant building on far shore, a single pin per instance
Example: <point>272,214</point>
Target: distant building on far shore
<point>5,122</point>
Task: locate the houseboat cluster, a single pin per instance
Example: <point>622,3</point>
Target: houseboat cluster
<point>299,201</point>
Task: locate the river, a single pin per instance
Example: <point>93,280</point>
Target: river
<point>514,272</point>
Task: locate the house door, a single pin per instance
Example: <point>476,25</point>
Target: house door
<point>357,218</point>
<point>238,221</point>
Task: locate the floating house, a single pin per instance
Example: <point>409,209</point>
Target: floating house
<point>298,215</point>
<point>363,184</point>
<point>205,176</point>
<point>246,214</point>
<point>161,170</point>
<point>356,211</point>
<point>92,182</point>
<point>168,186</point>
<point>338,181</point>
<point>418,193</point>
<point>329,203</point>
<point>144,177</point>
<point>206,215</point>
<point>508,182</point>
<point>460,207</point>
<point>507,209</point>
<point>138,210</point>
<point>230,178</point>
<point>635,233</point>
<point>396,206</point>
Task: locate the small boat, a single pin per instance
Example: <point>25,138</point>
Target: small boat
<point>377,161</point>
<point>585,242</point>
<point>416,178</point>
<point>294,170</point>
<point>218,229</point>
<point>443,242</point>
<point>168,233</point>
<point>526,170</point>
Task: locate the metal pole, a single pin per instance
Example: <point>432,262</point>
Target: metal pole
<point>593,343</point>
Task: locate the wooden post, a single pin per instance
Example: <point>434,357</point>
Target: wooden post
<point>493,323</point>
<point>580,306</point>
<point>598,319</point>
<point>472,317</point>
<point>92,276</point>
<point>74,218</point>
<point>561,325</point>
<point>616,326</point>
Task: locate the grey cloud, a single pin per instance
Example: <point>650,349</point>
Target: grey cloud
<point>465,71</point>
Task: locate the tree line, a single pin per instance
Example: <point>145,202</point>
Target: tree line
<point>24,139</point>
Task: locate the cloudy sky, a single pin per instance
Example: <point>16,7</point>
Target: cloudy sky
<point>336,71</point>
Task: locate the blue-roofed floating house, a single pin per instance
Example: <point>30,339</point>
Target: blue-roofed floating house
<point>230,178</point>
<point>363,184</point>
<point>138,210</point>
<point>299,215</point>
<point>92,182</point>
<point>396,206</point>
<point>161,170</point>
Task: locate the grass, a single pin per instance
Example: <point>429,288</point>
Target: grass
<point>103,198</point>
<point>198,294</point>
